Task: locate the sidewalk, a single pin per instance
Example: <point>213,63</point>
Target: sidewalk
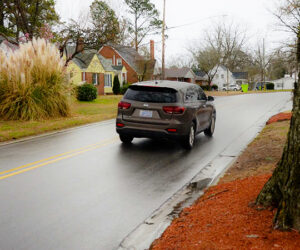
<point>225,218</point>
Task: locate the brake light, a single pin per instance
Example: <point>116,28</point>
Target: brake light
<point>120,125</point>
<point>172,130</point>
<point>124,105</point>
<point>174,110</point>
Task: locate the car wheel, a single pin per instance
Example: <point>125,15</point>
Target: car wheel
<point>126,139</point>
<point>189,140</point>
<point>211,129</point>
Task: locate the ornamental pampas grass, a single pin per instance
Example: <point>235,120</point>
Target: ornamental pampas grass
<point>32,83</point>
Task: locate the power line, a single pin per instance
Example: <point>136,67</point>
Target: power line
<point>192,23</point>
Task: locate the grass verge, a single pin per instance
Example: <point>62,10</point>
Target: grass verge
<point>103,108</point>
<point>231,93</point>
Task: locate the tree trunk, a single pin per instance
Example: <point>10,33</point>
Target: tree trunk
<point>1,14</point>
<point>136,34</point>
<point>283,189</point>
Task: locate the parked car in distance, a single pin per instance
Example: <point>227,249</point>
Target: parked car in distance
<point>165,109</point>
<point>232,87</point>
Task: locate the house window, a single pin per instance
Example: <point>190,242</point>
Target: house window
<point>107,80</point>
<point>95,79</point>
<point>222,76</point>
<point>83,77</point>
<point>119,61</point>
<point>217,76</point>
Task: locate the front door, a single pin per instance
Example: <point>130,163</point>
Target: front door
<point>101,84</point>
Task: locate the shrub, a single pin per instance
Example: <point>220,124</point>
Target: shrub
<point>87,92</point>
<point>205,87</point>
<point>215,87</point>
<point>32,83</point>
<point>270,86</point>
<point>116,87</point>
<point>124,88</point>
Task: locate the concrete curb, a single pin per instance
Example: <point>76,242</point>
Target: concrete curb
<point>152,228</point>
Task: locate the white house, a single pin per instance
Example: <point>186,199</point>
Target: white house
<point>7,45</point>
<point>223,76</point>
<point>287,82</point>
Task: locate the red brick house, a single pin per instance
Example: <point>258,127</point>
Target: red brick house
<point>184,74</point>
<point>138,67</point>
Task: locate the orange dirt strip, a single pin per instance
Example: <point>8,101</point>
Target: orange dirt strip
<point>223,219</point>
<point>280,117</point>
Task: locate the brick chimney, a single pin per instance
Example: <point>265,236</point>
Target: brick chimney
<point>152,50</point>
<point>80,45</point>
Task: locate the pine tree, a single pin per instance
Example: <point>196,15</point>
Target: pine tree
<point>116,87</point>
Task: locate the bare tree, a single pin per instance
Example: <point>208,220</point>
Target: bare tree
<point>93,29</point>
<point>208,60</point>
<point>282,191</point>
<point>229,40</point>
<point>262,59</point>
<point>180,61</point>
<point>223,44</point>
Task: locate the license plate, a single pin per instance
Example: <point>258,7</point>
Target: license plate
<point>146,113</point>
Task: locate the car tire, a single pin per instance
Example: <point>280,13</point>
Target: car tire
<point>126,139</point>
<point>211,129</point>
<point>189,140</point>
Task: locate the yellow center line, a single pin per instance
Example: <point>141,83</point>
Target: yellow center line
<point>55,158</point>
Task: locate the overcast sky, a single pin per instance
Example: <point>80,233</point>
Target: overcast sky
<point>253,15</point>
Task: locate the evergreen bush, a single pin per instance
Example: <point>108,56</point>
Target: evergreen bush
<point>116,87</point>
<point>215,87</point>
<point>270,86</point>
<point>124,88</point>
<point>205,87</point>
<point>87,92</point>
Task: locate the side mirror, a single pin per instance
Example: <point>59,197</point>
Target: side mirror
<point>210,99</point>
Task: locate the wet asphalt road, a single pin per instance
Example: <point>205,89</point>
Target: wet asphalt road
<point>93,196</point>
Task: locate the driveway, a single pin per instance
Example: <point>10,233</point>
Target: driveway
<point>83,189</point>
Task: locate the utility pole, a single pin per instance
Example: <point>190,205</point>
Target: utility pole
<point>264,64</point>
<point>296,65</point>
<point>163,42</point>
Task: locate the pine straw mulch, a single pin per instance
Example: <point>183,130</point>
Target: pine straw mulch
<point>224,217</point>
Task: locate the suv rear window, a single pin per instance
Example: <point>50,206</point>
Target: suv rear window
<point>151,94</point>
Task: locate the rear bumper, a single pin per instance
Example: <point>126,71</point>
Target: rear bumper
<point>141,133</point>
<point>141,130</point>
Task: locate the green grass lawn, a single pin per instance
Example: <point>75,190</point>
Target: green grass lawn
<point>103,108</point>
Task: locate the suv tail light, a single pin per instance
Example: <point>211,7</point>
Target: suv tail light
<point>124,105</point>
<point>173,109</point>
<point>120,125</point>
